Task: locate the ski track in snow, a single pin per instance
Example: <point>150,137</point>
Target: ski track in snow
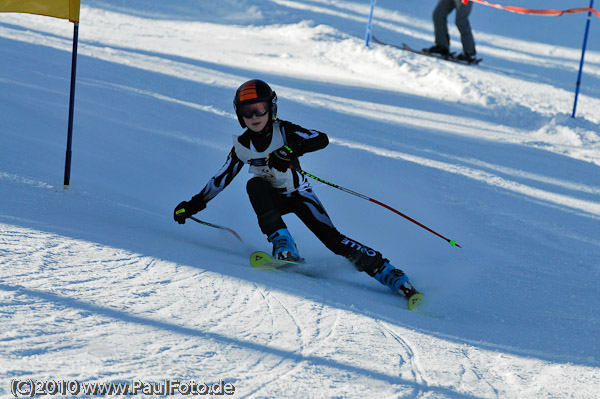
<point>96,284</point>
<point>116,291</point>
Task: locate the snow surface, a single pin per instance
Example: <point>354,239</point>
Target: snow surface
<point>98,284</point>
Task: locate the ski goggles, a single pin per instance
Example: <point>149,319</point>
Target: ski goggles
<point>250,110</point>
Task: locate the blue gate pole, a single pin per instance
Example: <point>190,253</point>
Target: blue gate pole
<point>585,37</point>
<point>368,32</point>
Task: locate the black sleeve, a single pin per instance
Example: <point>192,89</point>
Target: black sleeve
<point>302,140</point>
<point>222,178</point>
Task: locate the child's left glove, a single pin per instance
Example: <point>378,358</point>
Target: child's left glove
<point>281,158</point>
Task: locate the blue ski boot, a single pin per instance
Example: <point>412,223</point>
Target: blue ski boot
<point>398,282</point>
<point>284,247</point>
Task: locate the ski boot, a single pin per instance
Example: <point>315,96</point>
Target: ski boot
<point>469,58</point>
<point>284,247</point>
<point>398,282</point>
<point>437,49</point>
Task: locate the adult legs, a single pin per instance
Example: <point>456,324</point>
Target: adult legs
<point>464,27</point>
<point>440,22</point>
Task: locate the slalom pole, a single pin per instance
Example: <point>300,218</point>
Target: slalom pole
<point>67,177</point>
<point>304,173</point>
<point>585,38</point>
<point>368,30</point>
<point>218,227</point>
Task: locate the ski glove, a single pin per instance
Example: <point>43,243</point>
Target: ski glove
<point>281,158</point>
<point>186,209</point>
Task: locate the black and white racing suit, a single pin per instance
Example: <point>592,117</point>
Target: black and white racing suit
<point>274,193</point>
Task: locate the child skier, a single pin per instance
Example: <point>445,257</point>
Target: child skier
<point>271,147</point>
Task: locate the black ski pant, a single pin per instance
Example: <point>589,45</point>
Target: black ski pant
<point>270,205</point>
<point>440,24</point>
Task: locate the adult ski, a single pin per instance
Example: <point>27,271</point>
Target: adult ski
<point>450,57</point>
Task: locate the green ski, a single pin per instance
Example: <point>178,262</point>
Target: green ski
<point>264,261</point>
<point>414,300</point>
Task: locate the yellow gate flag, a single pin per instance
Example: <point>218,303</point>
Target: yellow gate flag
<point>67,9</point>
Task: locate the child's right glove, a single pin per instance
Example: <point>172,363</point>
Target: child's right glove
<point>187,209</point>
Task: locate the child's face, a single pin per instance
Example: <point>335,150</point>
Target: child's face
<point>256,116</point>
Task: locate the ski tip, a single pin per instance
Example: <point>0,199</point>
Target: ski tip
<point>259,255</point>
<point>414,300</point>
<point>263,261</point>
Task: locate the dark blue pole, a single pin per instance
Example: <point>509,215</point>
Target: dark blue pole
<point>368,32</point>
<point>585,37</point>
<point>71,106</point>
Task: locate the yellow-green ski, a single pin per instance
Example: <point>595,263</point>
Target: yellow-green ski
<point>264,261</point>
<point>414,300</point>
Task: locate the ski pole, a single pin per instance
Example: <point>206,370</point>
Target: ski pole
<point>452,242</point>
<point>218,227</point>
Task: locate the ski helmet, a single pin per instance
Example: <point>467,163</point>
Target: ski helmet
<point>251,92</point>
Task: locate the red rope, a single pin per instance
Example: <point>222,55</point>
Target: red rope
<point>521,10</point>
